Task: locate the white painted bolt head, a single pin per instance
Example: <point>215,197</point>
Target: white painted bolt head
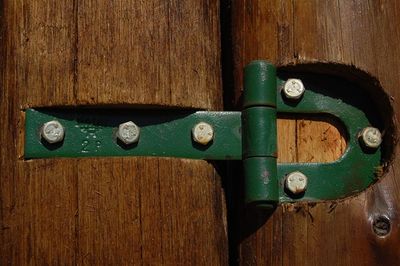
<point>293,88</point>
<point>52,131</point>
<point>128,132</point>
<point>202,133</point>
<point>371,137</point>
<point>296,182</point>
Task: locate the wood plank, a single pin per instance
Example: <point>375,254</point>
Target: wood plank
<point>111,210</point>
<point>356,33</point>
<point>164,54</point>
<point>38,198</point>
<point>149,52</point>
<point>182,235</point>
<point>150,231</point>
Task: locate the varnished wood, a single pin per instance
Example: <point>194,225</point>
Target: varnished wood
<point>158,53</point>
<point>148,52</point>
<point>363,34</point>
<point>110,211</point>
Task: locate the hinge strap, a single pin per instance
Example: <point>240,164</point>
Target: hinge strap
<point>168,133</point>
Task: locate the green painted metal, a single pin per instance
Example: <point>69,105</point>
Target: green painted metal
<point>356,168</point>
<point>261,183</point>
<point>259,131</point>
<point>259,78</point>
<point>91,133</point>
<point>259,135</point>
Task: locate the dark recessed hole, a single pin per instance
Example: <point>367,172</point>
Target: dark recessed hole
<point>381,225</point>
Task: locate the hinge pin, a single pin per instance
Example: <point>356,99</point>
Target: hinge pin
<point>259,135</point>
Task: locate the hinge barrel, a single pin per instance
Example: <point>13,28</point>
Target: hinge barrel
<point>259,135</point>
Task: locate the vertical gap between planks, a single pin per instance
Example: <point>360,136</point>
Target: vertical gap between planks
<point>75,167</point>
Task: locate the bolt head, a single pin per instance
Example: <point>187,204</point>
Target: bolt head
<point>293,89</point>
<point>52,132</point>
<point>203,133</point>
<point>381,225</point>
<point>371,137</point>
<point>296,182</point>
<point>128,132</point>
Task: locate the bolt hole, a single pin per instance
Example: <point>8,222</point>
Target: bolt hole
<point>381,226</point>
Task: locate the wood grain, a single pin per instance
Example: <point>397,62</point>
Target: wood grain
<point>153,52</point>
<point>135,213</point>
<point>108,211</point>
<point>361,34</point>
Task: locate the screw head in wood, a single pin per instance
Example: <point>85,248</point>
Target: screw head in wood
<point>52,131</point>
<point>293,89</point>
<point>371,137</point>
<point>203,133</point>
<point>296,182</point>
<point>381,225</point>
<point>128,132</point>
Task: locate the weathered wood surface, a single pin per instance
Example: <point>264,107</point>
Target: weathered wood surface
<point>360,33</point>
<point>113,211</point>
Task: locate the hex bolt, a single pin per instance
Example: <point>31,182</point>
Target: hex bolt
<point>296,182</point>
<point>203,133</point>
<point>371,137</point>
<point>293,89</point>
<point>128,133</point>
<point>52,131</point>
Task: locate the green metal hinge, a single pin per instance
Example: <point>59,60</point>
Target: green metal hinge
<point>249,136</point>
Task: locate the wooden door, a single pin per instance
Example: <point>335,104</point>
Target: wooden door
<point>167,54</point>
<point>108,211</point>
<point>346,38</point>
